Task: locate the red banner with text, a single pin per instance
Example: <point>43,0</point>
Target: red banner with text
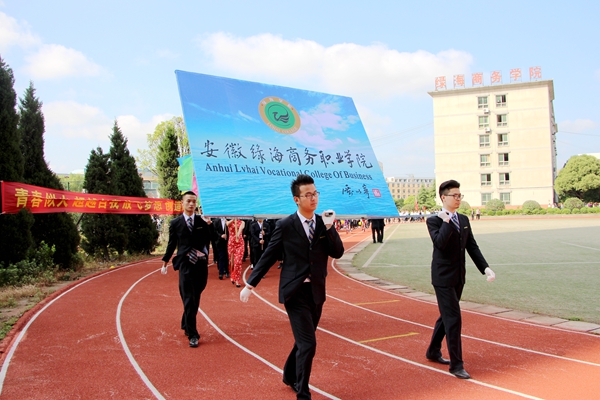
<point>16,196</point>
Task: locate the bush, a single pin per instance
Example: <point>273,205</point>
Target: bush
<point>494,205</point>
<point>573,202</point>
<point>575,211</point>
<point>531,205</point>
<point>565,211</point>
<point>464,206</point>
<point>37,267</point>
<point>584,210</point>
<point>490,212</point>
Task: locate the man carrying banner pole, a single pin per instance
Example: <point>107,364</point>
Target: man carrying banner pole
<point>306,240</point>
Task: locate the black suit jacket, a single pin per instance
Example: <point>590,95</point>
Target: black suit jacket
<point>448,262</point>
<point>218,231</point>
<point>181,238</point>
<point>300,257</point>
<point>255,233</point>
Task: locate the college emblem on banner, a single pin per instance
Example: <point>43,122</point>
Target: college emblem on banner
<point>279,115</point>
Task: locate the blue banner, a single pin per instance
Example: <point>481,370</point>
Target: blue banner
<point>249,141</point>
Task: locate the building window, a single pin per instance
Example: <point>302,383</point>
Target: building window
<point>485,197</point>
<point>501,120</point>
<point>484,140</point>
<point>484,121</point>
<point>505,198</point>
<point>503,159</point>
<point>484,160</point>
<point>504,179</point>
<point>486,179</point>
<point>502,139</point>
<point>501,100</point>
<point>482,102</point>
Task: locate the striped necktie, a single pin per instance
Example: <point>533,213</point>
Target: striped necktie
<point>311,229</point>
<point>455,221</point>
<point>190,223</point>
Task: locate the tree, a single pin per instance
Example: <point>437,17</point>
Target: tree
<point>409,203</point>
<point>167,165</point>
<point>495,205</point>
<point>15,233</point>
<point>579,178</point>
<point>399,203</point>
<point>426,196</point>
<point>55,229</point>
<point>125,180</point>
<point>103,234</point>
<point>147,159</point>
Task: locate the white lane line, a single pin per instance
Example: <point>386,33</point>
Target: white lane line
<point>375,265</point>
<point>259,358</point>
<point>439,371</point>
<point>13,348</point>
<point>583,247</point>
<point>132,360</point>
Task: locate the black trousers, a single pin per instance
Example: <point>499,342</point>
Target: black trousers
<point>449,324</point>
<point>377,232</point>
<point>304,317</point>
<point>256,253</point>
<point>192,281</point>
<point>222,257</point>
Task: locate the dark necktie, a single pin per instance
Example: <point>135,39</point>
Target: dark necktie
<point>455,221</point>
<point>311,229</point>
<point>190,223</point>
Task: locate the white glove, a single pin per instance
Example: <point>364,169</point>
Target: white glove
<point>444,215</point>
<point>490,274</point>
<point>328,218</point>
<point>245,294</point>
<point>163,269</point>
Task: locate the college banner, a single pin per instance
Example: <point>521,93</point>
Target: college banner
<point>250,140</point>
<point>16,196</point>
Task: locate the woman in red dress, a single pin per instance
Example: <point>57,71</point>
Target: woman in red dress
<point>235,248</point>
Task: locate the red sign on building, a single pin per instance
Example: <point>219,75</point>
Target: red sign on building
<point>515,75</point>
<point>459,81</point>
<point>477,79</point>
<point>496,77</point>
<point>535,73</point>
<point>440,82</point>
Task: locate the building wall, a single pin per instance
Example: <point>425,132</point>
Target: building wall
<point>401,188</point>
<point>530,129</point>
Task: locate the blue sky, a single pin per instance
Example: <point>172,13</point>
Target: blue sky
<point>93,62</point>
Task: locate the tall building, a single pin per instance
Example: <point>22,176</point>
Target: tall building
<point>401,188</point>
<point>498,141</point>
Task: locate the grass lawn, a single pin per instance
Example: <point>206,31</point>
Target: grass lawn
<point>547,265</point>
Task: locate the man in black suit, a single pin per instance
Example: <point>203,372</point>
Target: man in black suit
<point>377,225</point>
<point>306,240</point>
<point>190,234</point>
<point>451,235</point>
<point>259,233</point>
<point>221,238</point>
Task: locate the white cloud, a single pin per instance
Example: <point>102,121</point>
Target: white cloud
<point>56,61</point>
<point>373,71</point>
<point>69,119</point>
<point>577,126</point>
<point>136,131</point>
<point>14,34</point>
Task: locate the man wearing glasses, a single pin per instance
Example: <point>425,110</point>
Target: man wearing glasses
<point>306,240</point>
<point>451,235</point>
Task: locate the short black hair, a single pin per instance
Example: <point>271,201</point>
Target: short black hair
<point>446,186</point>
<point>188,192</point>
<point>301,179</point>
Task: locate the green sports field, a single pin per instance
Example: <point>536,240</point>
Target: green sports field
<point>549,266</point>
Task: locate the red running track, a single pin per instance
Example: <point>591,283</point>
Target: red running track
<point>117,335</point>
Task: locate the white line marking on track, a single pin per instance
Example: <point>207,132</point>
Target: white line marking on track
<point>474,381</point>
<point>13,348</point>
<point>132,360</point>
<point>583,247</point>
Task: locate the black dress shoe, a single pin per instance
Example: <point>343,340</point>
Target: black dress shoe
<point>440,360</point>
<point>292,385</point>
<point>227,275</point>
<point>461,373</point>
<point>194,342</point>
<point>220,277</point>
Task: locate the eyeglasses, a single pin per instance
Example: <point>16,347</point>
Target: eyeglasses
<point>457,196</point>
<point>310,195</point>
